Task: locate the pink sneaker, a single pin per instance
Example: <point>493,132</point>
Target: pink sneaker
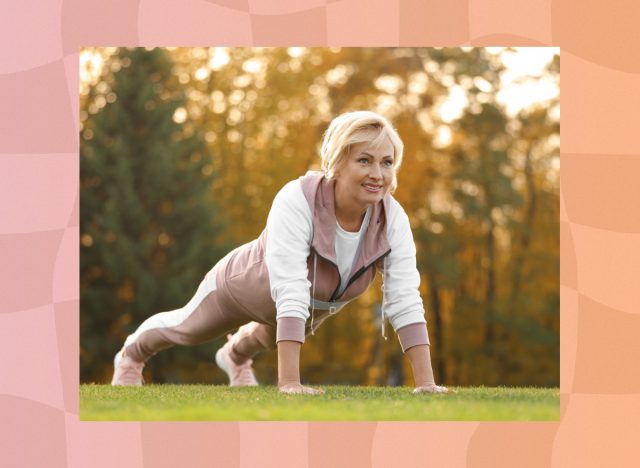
<point>127,371</point>
<point>239,375</point>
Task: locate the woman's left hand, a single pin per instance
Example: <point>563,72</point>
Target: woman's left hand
<point>431,389</point>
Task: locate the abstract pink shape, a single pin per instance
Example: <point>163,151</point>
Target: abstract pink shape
<point>39,192</point>
<point>36,116</point>
<point>378,23</point>
<point>434,23</point>
<point>103,445</point>
<point>66,285</point>
<point>74,219</point>
<point>599,33</point>
<point>565,399</point>
<point>283,7</point>
<point>608,267</point>
<point>308,28</point>
<point>607,350</point>
<point>191,444</point>
<point>191,23</point>
<point>599,117</point>
<point>519,17</point>
<point>598,430</point>
<point>30,36</point>
<point>593,123</point>
<point>505,445</point>
<point>600,190</point>
<point>569,343</point>
<point>564,215</point>
<point>568,265</point>
<point>27,272</point>
<point>261,444</point>
<point>31,434</point>
<point>67,323</point>
<point>351,444</point>
<point>240,5</point>
<point>505,40</point>
<point>416,444</point>
<point>98,23</point>
<point>72,71</point>
<point>29,356</point>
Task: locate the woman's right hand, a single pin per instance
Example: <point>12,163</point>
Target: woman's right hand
<point>298,388</point>
<point>289,370</point>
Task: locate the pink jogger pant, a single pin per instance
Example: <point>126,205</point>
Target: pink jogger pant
<point>207,316</point>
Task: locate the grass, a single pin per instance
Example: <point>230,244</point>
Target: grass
<point>339,403</point>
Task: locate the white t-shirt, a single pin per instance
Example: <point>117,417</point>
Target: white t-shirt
<point>347,245</point>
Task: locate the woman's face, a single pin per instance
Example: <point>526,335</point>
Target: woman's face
<point>365,175</point>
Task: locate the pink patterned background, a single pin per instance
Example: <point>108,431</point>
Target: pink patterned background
<point>39,253</point>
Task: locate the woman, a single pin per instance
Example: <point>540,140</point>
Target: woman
<point>327,235</point>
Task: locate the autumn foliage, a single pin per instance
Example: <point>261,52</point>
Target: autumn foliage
<point>183,150</point>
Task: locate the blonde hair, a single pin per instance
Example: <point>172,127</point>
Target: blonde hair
<point>355,127</point>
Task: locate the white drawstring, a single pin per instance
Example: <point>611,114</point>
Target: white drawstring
<point>313,290</point>
<point>384,298</point>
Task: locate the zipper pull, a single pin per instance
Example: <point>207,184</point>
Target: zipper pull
<point>333,310</point>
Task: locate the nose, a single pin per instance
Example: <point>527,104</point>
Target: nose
<point>375,172</point>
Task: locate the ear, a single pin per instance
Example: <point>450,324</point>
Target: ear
<point>341,162</point>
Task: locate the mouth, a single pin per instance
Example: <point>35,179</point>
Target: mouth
<point>372,188</point>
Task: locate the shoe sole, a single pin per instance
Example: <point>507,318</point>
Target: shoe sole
<point>220,362</point>
<point>116,361</point>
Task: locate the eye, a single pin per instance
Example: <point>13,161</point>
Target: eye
<point>388,163</point>
<point>363,161</point>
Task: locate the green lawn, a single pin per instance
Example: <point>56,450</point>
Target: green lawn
<point>339,403</point>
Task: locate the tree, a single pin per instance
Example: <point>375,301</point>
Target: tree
<point>480,188</point>
<point>146,223</point>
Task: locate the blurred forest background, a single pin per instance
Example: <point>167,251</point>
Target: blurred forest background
<point>183,150</point>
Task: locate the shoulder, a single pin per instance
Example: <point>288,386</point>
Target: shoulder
<point>310,183</point>
<point>291,190</point>
<point>395,212</point>
<point>398,224</point>
<point>291,199</point>
<point>290,217</point>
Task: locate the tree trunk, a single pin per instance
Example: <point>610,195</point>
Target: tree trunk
<point>436,310</point>
<point>527,232</point>
<point>490,292</point>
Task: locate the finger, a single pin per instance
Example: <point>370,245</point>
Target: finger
<point>290,390</point>
<point>431,389</point>
<point>300,389</point>
<point>297,390</point>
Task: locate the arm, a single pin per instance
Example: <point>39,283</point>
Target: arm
<point>420,358</point>
<point>289,233</point>
<point>403,302</point>
<point>289,369</point>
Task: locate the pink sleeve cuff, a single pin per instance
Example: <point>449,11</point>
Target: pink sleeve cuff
<point>413,335</point>
<point>290,329</point>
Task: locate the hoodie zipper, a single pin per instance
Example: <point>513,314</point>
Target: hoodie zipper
<point>361,271</point>
<point>357,275</point>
